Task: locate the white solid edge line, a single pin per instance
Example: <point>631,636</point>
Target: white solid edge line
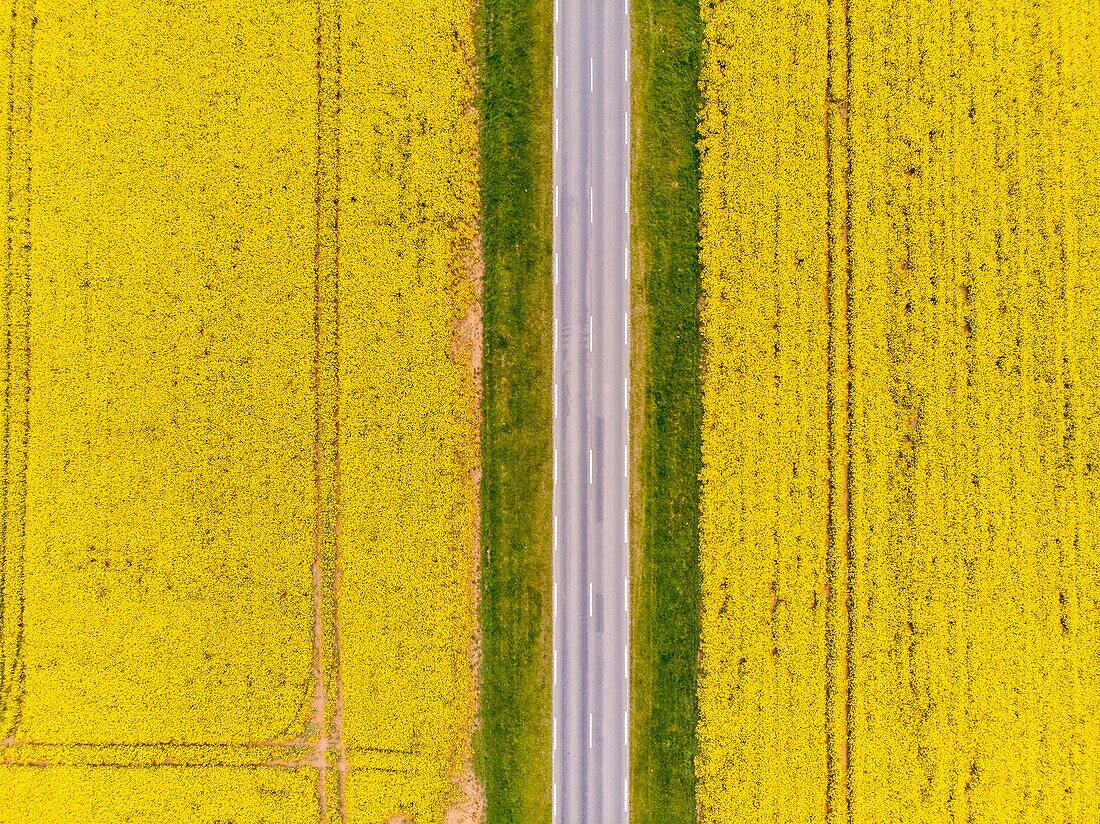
<point>626,520</point>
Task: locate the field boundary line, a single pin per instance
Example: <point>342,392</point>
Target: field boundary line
<point>338,709</point>
<point>63,755</point>
<point>11,668</point>
<point>21,753</point>
<point>318,702</point>
<point>838,550</point>
<point>9,157</point>
<point>328,699</point>
<point>306,763</point>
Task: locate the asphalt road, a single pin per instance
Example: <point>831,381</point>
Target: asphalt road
<point>591,369</point>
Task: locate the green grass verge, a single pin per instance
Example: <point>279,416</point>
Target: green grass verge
<point>513,745</point>
<point>667,410</point>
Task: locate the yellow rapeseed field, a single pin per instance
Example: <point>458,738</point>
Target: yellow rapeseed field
<point>764,504</point>
<point>409,429</point>
<point>239,411</point>
<point>901,554</point>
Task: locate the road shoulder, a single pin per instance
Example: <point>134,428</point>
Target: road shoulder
<point>666,409</point>
<point>513,746</point>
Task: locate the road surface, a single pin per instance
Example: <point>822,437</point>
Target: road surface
<point>591,368</point>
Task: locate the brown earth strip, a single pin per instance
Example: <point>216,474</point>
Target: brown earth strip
<point>338,716</point>
<point>466,348</point>
<point>328,699</point>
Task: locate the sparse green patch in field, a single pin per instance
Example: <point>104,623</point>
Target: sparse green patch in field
<point>514,743</point>
<point>666,409</point>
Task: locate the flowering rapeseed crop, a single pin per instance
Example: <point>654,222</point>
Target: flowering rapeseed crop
<point>901,561</point>
<point>408,221</point>
<point>238,418</point>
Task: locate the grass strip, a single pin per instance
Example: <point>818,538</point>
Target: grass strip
<point>667,409</point>
<point>514,742</point>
